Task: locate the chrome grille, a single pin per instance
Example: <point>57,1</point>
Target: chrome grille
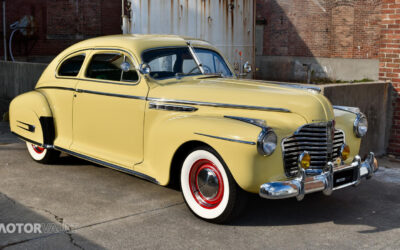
<point>317,140</point>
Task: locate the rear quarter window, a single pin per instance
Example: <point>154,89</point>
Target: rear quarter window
<point>71,66</point>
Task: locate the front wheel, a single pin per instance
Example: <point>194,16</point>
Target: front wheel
<point>208,187</point>
<point>42,155</point>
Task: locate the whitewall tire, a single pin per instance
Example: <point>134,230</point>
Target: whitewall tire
<point>208,187</point>
<point>42,155</point>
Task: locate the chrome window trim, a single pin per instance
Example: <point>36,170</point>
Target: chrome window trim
<point>226,139</point>
<point>100,81</point>
<point>219,105</point>
<point>65,58</point>
<point>196,46</point>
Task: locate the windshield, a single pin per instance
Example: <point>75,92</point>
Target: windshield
<point>178,62</point>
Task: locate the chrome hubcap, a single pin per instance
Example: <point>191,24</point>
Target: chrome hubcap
<point>208,183</point>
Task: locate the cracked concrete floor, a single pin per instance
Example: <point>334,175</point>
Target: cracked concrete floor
<point>95,207</point>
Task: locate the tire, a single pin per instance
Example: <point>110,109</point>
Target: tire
<point>42,155</point>
<point>208,187</point>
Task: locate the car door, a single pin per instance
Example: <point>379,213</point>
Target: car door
<point>108,109</point>
<point>59,93</point>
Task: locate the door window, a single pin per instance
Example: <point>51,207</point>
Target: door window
<point>109,66</point>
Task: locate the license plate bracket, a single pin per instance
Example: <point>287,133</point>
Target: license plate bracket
<point>344,177</point>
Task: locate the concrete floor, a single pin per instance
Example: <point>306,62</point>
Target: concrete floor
<point>96,207</point>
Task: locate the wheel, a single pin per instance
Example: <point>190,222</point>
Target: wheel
<point>42,155</point>
<point>208,187</point>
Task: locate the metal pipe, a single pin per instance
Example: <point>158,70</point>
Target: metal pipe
<point>9,43</point>
<point>4,31</point>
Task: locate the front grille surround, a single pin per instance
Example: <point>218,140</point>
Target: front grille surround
<point>317,140</point>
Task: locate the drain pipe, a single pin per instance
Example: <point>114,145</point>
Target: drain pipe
<point>4,31</point>
<point>125,18</point>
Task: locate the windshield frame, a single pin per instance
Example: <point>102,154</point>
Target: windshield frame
<point>196,59</point>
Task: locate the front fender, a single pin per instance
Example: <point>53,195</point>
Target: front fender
<point>166,132</point>
<point>31,118</point>
<point>344,121</point>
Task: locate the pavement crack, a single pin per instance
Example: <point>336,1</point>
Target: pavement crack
<point>127,216</point>
<point>70,230</point>
<point>73,241</point>
<point>56,217</point>
<point>8,198</point>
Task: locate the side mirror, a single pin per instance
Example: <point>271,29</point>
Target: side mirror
<point>247,68</point>
<point>144,69</point>
<point>125,66</point>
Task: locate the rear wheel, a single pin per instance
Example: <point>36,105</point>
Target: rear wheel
<point>208,187</point>
<point>42,155</point>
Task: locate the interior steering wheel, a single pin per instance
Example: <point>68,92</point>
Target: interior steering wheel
<point>205,67</point>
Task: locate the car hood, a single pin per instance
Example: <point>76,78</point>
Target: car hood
<point>309,104</point>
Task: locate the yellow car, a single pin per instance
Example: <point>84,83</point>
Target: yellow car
<point>170,109</point>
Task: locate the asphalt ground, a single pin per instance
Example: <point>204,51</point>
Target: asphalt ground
<point>81,205</point>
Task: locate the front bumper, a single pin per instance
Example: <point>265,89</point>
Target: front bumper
<point>326,180</point>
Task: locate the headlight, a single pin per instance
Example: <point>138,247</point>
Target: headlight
<point>360,125</point>
<point>266,143</point>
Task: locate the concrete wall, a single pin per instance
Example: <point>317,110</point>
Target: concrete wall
<point>374,100</point>
<point>17,78</point>
<point>309,69</point>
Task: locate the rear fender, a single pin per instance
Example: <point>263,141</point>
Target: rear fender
<point>31,119</point>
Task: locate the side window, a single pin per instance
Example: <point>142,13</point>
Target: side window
<point>71,66</point>
<point>108,66</point>
<point>105,66</point>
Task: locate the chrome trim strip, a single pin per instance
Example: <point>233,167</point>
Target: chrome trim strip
<point>353,110</point>
<point>169,107</point>
<point>30,127</point>
<point>110,165</point>
<point>256,122</point>
<point>96,92</point>
<point>294,86</point>
<point>31,141</point>
<point>111,94</point>
<point>227,139</point>
<point>54,87</point>
<point>219,105</point>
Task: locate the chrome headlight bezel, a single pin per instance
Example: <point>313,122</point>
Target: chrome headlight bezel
<point>360,119</point>
<point>262,148</point>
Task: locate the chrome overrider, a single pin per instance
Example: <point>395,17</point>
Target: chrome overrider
<point>314,180</point>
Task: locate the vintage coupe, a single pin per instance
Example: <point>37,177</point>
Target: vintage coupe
<point>170,109</point>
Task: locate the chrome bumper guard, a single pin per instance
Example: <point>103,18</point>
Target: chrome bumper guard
<point>311,180</point>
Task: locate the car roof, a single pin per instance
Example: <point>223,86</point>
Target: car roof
<point>137,43</point>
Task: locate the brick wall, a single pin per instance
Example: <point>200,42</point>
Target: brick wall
<point>320,28</point>
<point>60,23</point>
<point>389,57</point>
